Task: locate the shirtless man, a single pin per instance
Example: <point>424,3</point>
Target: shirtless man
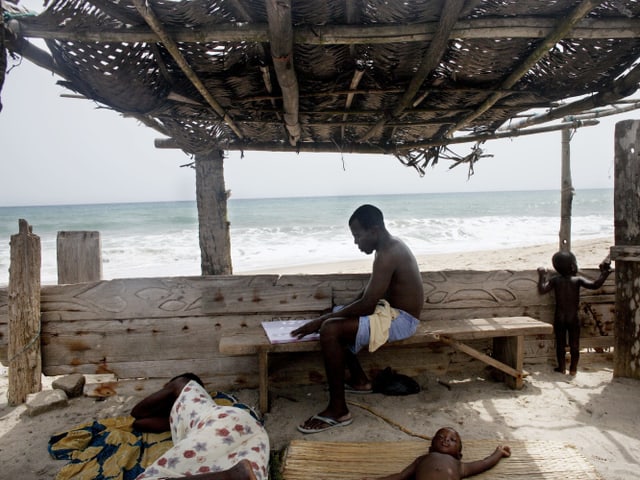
<point>443,460</point>
<point>396,279</point>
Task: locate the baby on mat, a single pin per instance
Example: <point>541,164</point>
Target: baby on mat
<point>443,461</point>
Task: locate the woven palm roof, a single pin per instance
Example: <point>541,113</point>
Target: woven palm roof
<point>402,77</point>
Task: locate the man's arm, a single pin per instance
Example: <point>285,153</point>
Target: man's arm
<point>473,468</point>
<point>365,304</point>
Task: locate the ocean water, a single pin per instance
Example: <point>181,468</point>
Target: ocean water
<point>161,239</point>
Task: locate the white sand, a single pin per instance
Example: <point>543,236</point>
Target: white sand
<point>593,411</point>
<point>588,252</point>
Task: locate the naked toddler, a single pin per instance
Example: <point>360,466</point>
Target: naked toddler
<point>566,286</point>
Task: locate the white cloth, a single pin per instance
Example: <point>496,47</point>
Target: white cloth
<point>210,438</point>
<point>379,324</point>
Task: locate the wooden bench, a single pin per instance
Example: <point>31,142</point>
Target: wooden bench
<point>507,333</point>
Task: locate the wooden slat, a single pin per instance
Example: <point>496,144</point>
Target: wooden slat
<point>175,297</point>
<point>222,372</point>
<point>476,328</point>
<point>248,341</point>
<point>266,299</point>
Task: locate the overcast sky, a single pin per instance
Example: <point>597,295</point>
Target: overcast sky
<point>59,150</point>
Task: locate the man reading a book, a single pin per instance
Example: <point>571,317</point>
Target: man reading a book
<point>387,310</point>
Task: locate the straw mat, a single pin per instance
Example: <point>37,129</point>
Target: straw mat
<point>350,461</point>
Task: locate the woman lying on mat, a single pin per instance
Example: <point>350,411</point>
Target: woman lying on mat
<point>443,460</point>
<point>210,442</point>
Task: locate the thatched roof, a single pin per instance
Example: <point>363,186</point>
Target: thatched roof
<point>404,77</point>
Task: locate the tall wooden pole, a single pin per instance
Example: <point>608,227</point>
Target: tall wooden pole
<point>211,196</point>
<point>25,364</point>
<point>566,196</point>
<point>626,252</point>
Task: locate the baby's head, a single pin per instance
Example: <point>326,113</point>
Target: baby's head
<point>565,263</point>
<point>447,441</point>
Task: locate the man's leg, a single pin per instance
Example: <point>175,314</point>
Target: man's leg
<point>335,336</point>
<point>358,379</point>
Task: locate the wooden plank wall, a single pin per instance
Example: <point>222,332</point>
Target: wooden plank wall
<point>159,327</point>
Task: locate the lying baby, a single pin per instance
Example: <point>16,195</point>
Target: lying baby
<point>443,460</point>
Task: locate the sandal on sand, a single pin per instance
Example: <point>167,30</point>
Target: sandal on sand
<point>349,389</point>
<point>329,422</point>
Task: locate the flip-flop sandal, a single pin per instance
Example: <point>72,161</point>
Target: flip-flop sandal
<point>349,389</point>
<point>330,422</point>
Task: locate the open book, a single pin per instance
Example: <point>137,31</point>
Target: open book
<point>279,331</point>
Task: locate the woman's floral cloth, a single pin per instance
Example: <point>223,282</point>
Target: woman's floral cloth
<point>208,438</point>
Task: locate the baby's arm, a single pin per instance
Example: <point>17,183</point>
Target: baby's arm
<point>605,270</point>
<point>544,285</point>
<point>473,468</point>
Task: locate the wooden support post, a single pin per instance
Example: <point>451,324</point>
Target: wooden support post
<point>25,364</point>
<point>626,252</point>
<point>79,257</point>
<point>566,198</point>
<point>263,374</point>
<point>211,197</point>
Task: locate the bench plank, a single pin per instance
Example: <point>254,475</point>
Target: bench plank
<point>248,341</point>
<point>507,334</point>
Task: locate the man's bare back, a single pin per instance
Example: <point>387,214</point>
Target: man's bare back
<point>405,290</point>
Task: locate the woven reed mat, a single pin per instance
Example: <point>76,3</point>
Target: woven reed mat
<point>350,461</point>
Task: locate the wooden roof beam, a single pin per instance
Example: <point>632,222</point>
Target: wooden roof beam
<point>172,47</point>
<point>480,28</point>
<point>621,88</point>
<point>560,32</point>
<point>355,81</point>
<point>430,60</point>
<point>281,39</point>
<point>324,147</point>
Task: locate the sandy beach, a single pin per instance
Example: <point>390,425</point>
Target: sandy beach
<point>593,411</point>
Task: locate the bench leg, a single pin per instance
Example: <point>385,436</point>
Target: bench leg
<point>510,351</point>
<point>508,357</point>
<point>263,374</point>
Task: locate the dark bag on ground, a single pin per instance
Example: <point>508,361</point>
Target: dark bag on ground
<point>389,382</point>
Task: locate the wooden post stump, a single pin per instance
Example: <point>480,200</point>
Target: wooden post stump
<point>79,256</point>
<point>626,251</point>
<point>25,363</point>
